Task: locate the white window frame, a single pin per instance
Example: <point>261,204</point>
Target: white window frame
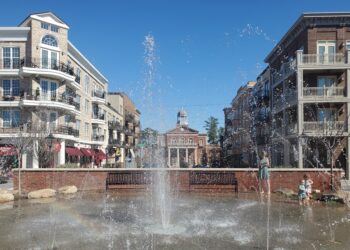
<point>49,92</point>
<point>11,86</point>
<point>48,119</point>
<point>87,84</point>
<point>10,122</point>
<point>11,56</point>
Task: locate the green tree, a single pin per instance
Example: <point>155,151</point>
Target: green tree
<point>211,126</point>
<point>149,136</point>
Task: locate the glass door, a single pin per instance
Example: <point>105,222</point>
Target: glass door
<point>49,59</point>
<point>326,52</point>
<point>48,90</point>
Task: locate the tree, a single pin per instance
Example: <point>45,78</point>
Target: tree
<point>149,136</point>
<point>211,126</point>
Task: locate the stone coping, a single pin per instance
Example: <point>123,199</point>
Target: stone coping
<point>176,169</point>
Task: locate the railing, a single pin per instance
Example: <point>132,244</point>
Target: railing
<point>320,126</point>
<point>115,124</point>
<point>182,144</point>
<point>67,130</point>
<point>44,63</point>
<point>115,141</point>
<point>323,59</point>
<point>128,132</point>
<point>290,95</point>
<point>98,116</point>
<point>287,69</point>
<point>54,97</point>
<point>99,94</point>
<point>98,138</point>
<point>323,92</point>
<point>52,128</point>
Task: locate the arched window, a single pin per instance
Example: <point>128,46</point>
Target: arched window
<point>49,40</point>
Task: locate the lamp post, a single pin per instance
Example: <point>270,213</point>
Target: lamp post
<point>50,139</point>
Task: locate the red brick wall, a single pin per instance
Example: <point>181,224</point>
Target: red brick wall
<point>179,179</point>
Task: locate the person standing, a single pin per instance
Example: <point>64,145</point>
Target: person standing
<point>263,174</point>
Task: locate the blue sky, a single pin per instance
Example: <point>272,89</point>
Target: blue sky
<point>205,49</point>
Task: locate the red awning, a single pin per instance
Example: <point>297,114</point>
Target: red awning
<point>100,154</point>
<point>8,150</point>
<point>73,151</point>
<point>87,151</point>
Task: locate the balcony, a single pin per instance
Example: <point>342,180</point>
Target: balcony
<point>128,132</point>
<point>116,142</point>
<point>52,100</point>
<point>98,118</point>
<point>98,96</point>
<point>323,92</point>
<point>115,125</point>
<point>323,59</point>
<point>325,127</point>
<point>57,70</point>
<point>98,138</point>
<point>287,69</point>
<point>59,131</point>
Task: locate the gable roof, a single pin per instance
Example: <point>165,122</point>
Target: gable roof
<point>48,17</point>
<point>182,130</point>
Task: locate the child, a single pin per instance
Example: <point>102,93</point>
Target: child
<point>302,193</point>
<point>263,174</point>
<point>308,186</point>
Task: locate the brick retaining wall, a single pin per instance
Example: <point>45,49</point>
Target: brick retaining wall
<point>180,179</point>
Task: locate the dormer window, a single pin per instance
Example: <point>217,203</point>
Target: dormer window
<point>45,26</point>
<point>48,26</point>
<point>49,40</point>
<point>54,28</point>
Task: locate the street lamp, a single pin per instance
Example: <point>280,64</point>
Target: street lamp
<point>50,139</point>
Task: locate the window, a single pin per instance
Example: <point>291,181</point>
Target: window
<point>326,51</point>
<point>45,25</point>
<point>49,40</point>
<point>190,141</point>
<point>66,120</point>
<point>77,125</point>
<point>201,142</point>
<point>54,28</point>
<point>348,45</point>
<point>11,57</point>
<point>53,120</point>
<point>49,59</point>
<point>86,130</point>
<point>87,84</point>
<point>10,87</point>
<point>48,26</point>
<point>77,77</point>
<point>87,104</point>
<point>11,118</point>
<point>48,90</point>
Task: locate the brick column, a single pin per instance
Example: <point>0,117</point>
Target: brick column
<point>178,158</point>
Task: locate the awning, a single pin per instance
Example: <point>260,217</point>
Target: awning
<point>8,150</point>
<point>87,151</point>
<point>71,151</point>
<point>100,154</point>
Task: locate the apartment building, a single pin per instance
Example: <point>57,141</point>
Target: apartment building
<point>310,97</point>
<point>237,146</point>
<point>129,135</point>
<point>260,115</point>
<point>48,87</point>
<point>116,136</point>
